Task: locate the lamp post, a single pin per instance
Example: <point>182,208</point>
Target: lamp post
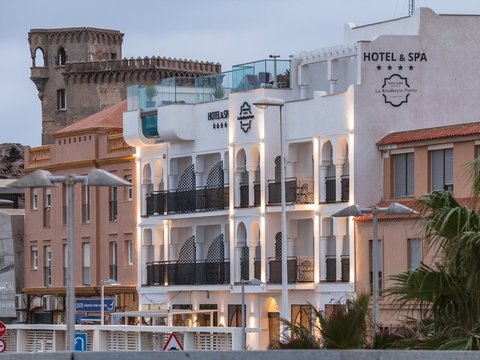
<point>263,104</point>
<point>244,330</point>
<point>274,57</point>
<point>355,210</point>
<point>108,282</point>
<point>44,178</point>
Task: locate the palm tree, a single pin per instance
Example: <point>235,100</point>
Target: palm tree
<point>446,293</point>
<point>343,329</point>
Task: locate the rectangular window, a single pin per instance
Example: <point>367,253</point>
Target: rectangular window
<point>113,261</point>
<point>65,264</point>
<point>61,99</point>
<point>113,203</point>
<point>85,204</point>
<point>48,198</point>
<point>414,253</point>
<point>34,257</point>
<point>128,189</point>
<point>86,264</point>
<point>442,169</point>
<point>379,263</point>
<point>129,252</point>
<point>208,319</point>
<point>48,266</point>
<point>64,204</point>
<point>34,197</point>
<point>403,175</point>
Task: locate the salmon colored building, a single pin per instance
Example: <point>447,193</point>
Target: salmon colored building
<point>104,223</point>
<point>415,162</point>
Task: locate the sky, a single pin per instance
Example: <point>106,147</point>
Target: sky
<point>228,32</point>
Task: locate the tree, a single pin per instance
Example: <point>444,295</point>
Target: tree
<point>343,329</point>
<point>447,292</point>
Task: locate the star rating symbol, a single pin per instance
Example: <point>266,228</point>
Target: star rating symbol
<point>379,67</point>
<point>389,67</point>
<point>400,67</point>
<point>410,68</point>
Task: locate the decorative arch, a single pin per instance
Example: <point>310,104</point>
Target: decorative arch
<point>39,59</point>
<point>61,56</point>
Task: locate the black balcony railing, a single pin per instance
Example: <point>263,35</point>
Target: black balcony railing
<point>345,260</point>
<point>274,193</point>
<point>330,195</point>
<point>257,268</point>
<point>275,265</point>
<point>331,262</point>
<point>177,201</point>
<point>165,273</point>
<point>244,200</point>
<point>244,270</point>
<point>331,268</point>
<point>345,187</point>
<point>256,194</point>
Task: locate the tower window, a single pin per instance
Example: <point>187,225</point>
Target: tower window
<point>39,59</point>
<point>61,99</point>
<point>61,57</point>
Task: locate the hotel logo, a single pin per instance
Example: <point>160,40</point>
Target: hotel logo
<point>245,117</point>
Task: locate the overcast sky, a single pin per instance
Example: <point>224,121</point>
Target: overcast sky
<point>225,31</point>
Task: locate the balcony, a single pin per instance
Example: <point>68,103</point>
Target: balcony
<point>202,272</point>
<point>187,201</point>
<point>188,90</point>
<point>294,192</point>
<point>299,269</point>
<point>331,262</point>
<point>330,195</point>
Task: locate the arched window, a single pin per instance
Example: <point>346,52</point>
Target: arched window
<point>61,56</point>
<point>39,59</point>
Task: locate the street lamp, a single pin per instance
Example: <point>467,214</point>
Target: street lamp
<point>44,178</point>
<point>393,209</point>
<point>244,331</point>
<point>108,282</point>
<point>263,104</point>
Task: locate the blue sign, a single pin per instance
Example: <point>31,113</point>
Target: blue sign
<point>80,341</point>
<point>94,305</point>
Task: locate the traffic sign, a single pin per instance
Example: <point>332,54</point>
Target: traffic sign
<point>3,328</point>
<point>3,346</point>
<point>80,341</point>
<point>173,343</point>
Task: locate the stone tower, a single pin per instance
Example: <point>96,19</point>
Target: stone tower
<point>78,72</point>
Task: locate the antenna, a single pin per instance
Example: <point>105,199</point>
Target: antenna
<point>411,7</point>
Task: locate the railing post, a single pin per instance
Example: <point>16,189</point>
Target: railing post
<point>189,341</point>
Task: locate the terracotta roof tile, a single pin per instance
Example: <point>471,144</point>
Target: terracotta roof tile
<point>109,118</point>
<point>442,132</point>
<point>411,203</point>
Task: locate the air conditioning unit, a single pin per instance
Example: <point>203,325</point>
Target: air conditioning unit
<point>21,301</point>
<point>22,316</point>
<point>52,303</point>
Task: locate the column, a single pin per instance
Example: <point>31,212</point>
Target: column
<point>238,257</point>
<point>323,259</point>
<point>323,185</point>
<point>339,232</point>
<point>238,181</point>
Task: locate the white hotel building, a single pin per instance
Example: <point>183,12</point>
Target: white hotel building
<point>209,166</point>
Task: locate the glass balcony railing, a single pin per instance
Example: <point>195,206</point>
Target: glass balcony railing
<point>188,90</point>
